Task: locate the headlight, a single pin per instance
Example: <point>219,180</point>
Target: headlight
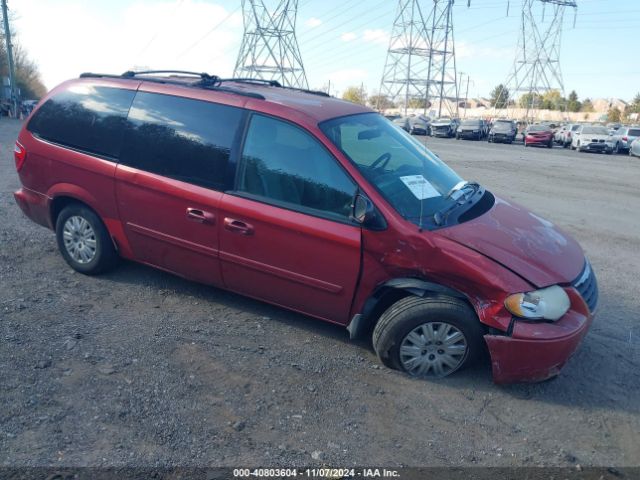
<point>549,303</point>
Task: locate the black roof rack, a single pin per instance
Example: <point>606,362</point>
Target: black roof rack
<point>273,83</point>
<point>205,80</point>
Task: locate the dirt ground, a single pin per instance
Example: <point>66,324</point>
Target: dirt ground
<point>141,368</point>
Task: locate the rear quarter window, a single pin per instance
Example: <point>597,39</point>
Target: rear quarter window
<point>181,138</point>
<point>84,117</point>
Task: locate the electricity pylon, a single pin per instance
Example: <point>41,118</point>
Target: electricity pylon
<point>269,49</point>
<point>421,63</point>
<point>536,69</point>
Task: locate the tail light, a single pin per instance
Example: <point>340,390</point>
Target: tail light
<point>20,155</point>
<point>625,138</point>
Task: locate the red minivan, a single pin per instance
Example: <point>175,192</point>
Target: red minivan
<point>307,202</point>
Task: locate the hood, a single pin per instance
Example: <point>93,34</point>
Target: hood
<point>530,246</point>
<point>594,136</point>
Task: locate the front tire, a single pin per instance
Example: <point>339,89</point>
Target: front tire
<point>428,337</point>
<point>84,241</point>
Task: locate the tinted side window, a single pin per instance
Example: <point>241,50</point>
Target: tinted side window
<point>85,117</point>
<point>286,164</point>
<point>185,139</point>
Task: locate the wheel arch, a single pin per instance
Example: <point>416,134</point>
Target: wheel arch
<point>64,194</point>
<point>389,293</point>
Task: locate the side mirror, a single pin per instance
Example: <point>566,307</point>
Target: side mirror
<point>365,213</point>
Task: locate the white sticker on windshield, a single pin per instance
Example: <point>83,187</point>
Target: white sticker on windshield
<point>420,186</point>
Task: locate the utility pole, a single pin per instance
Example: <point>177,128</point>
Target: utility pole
<point>12,72</point>
<point>269,49</point>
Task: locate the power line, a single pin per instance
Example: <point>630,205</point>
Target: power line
<point>216,26</point>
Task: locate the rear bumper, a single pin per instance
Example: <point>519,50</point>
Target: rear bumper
<point>34,205</point>
<point>538,351</point>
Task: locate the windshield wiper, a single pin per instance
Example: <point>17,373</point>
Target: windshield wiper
<point>460,193</point>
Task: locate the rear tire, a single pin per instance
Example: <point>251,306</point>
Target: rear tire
<point>428,337</point>
<point>84,241</point>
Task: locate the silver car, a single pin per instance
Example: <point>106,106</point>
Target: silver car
<point>634,149</point>
<point>623,138</point>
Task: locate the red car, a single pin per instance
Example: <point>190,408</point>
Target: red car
<point>307,202</point>
<point>540,135</point>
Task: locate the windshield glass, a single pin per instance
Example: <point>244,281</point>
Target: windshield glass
<point>595,130</point>
<point>503,126</point>
<point>470,123</point>
<point>409,176</point>
<point>634,132</point>
<point>443,120</point>
<point>538,128</point>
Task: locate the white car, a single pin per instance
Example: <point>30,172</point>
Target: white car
<point>567,135</point>
<point>592,138</point>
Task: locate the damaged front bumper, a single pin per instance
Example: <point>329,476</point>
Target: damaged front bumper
<point>537,351</point>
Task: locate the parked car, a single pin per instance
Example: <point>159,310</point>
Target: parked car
<point>504,131</point>
<point>592,138</point>
<point>403,123</point>
<point>418,126</point>
<point>568,134</point>
<point>310,203</point>
<point>557,135</point>
<point>613,127</point>
<point>444,127</point>
<point>634,148</point>
<point>471,129</point>
<point>540,135</point>
<point>622,138</point>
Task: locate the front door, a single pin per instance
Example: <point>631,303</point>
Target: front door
<point>285,233</point>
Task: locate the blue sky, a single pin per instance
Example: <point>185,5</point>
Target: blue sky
<point>344,41</point>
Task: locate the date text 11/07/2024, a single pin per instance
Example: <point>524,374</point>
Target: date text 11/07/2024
<point>315,473</point>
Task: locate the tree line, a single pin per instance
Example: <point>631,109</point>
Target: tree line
<point>500,98</point>
<point>28,78</point>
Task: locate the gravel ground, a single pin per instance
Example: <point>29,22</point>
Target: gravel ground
<point>141,368</point>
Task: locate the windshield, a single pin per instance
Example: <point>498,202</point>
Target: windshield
<point>634,132</point>
<point>470,123</point>
<point>503,126</point>
<point>443,120</point>
<point>409,176</point>
<point>595,130</point>
<point>538,128</point>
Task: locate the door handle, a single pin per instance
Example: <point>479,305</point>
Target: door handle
<point>200,216</point>
<point>237,226</point>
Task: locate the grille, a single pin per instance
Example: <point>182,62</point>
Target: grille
<point>587,285</point>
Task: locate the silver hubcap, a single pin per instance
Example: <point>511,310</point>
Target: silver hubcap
<point>79,239</point>
<point>433,349</point>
